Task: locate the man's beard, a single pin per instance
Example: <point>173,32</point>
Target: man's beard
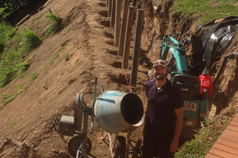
<point>160,77</point>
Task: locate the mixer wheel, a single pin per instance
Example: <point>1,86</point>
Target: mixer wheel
<point>75,142</point>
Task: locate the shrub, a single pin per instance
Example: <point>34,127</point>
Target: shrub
<point>7,32</point>
<point>29,40</point>
<point>56,23</point>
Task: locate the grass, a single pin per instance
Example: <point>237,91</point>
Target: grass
<point>32,76</point>
<point>2,12</point>
<point>12,63</point>
<point>204,140</point>
<point>208,9</point>
<point>64,45</point>
<point>50,62</point>
<point>66,56</point>
<point>8,98</point>
<point>55,21</point>
<point>7,32</point>
<point>13,123</point>
<point>29,40</point>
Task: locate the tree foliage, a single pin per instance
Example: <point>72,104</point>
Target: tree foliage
<point>12,4</point>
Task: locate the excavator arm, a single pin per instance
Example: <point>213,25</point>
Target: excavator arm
<point>171,45</point>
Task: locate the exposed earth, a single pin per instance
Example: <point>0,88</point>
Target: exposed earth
<point>85,48</point>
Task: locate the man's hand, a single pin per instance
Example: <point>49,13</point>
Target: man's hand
<point>178,129</point>
<point>174,146</point>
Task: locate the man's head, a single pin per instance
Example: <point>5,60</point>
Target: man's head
<point>160,69</point>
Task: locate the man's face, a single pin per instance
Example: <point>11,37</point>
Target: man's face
<point>160,72</point>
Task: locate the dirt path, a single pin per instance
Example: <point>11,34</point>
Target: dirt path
<point>87,42</point>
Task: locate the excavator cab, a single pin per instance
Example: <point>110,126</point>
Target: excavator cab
<point>195,104</point>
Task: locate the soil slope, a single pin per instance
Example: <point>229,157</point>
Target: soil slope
<point>85,48</point>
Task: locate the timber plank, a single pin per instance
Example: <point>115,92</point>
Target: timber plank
<point>230,135</point>
<point>232,128</point>
<point>226,149</point>
<point>227,143</point>
<point>235,119</point>
<point>209,155</point>
<point>236,116</point>
<point>234,122</point>
<point>222,153</point>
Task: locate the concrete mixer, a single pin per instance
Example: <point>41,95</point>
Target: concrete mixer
<point>114,111</point>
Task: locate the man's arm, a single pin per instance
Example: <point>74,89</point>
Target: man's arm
<point>146,113</point>
<point>178,129</point>
<point>146,105</point>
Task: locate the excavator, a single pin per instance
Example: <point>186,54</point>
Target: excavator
<point>195,102</point>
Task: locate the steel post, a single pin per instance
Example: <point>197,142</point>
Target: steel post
<point>136,52</point>
<point>123,27</point>
<point>127,44</point>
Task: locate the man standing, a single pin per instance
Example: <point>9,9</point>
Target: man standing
<point>163,115</point>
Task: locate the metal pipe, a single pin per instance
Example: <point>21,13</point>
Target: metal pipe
<point>102,90</point>
<point>94,99</point>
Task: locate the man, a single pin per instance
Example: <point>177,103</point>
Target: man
<point>163,115</point>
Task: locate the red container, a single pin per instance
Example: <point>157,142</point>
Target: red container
<point>206,83</point>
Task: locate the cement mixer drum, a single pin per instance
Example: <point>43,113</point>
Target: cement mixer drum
<point>117,111</point>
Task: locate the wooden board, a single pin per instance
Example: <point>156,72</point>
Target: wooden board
<point>227,143</point>
<point>225,148</point>
<point>235,119</point>
<point>230,135</point>
<point>221,153</point>
<point>232,128</point>
<point>212,156</point>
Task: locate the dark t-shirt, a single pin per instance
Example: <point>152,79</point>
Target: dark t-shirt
<point>162,102</point>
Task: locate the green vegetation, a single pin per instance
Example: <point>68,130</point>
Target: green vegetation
<point>32,76</point>
<point>8,98</point>
<point>7,32</point>
<point>63,45</point>
<point>53,59</point>
<point>66,56</point>
<point>12,62</point>
<point>2,13</point>
<point>208,9</point>
<point>7,6</point>
<point>204,139</point>
<point>13,123</point>
<point>55,21</point>
<point>29,40</point>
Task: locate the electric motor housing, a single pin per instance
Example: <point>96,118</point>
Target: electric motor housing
<point>66,125</point>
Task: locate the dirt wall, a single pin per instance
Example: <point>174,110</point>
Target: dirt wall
<point>160,20</point>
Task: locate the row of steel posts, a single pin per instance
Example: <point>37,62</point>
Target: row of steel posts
<point>123,32</point>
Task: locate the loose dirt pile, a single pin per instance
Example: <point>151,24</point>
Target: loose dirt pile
<point>85,48</point>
